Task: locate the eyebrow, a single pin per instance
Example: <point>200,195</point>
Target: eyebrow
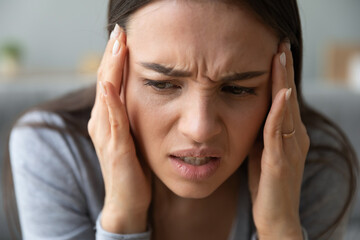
<point>171,72</point>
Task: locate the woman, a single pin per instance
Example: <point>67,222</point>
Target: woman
<point>198,131</point>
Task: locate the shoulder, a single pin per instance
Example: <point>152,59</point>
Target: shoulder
<point>40,144</point>
<point>57,178</point>
<point>43,127</point>
<point>40,132</point>
<point>31,134</point>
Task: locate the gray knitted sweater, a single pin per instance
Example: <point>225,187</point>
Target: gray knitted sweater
<point>60,191</point>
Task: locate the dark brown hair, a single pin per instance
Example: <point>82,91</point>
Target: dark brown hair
<point>283,17</point>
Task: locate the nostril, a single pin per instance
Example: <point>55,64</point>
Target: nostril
<point>199,121</point>
<point>199,129</point>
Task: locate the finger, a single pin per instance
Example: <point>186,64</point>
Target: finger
<point>104,60</point>
<point>254,168</point>
<point>125,78</point>
<point>273,124</point>
<point>292,115</point>
<point>285,46</point>
<point>280,81</point>
<point>119,124</point>
<point>99,121</point>
<point>115,34</point>
<point>288,125</point>
<point>279,74</point>
<point>117,39</point>
<point>115,65</point>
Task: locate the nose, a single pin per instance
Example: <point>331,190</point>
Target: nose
<point>199,120</point>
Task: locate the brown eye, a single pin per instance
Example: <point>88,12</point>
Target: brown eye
<point>238,90</point>
<point>161,85</point>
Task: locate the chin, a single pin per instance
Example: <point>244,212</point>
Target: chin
<point>188,190</point>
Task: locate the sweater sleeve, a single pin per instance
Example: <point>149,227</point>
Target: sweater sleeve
<point>50,201</point>
<point>304,233</point>
<point>49,193</point>
<point>101,234</point>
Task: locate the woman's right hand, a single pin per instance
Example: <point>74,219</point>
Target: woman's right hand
<point>127,182</point>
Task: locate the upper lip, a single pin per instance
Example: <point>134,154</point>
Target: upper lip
<point>197,152</point>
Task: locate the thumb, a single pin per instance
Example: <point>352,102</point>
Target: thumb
<point>254,169</point>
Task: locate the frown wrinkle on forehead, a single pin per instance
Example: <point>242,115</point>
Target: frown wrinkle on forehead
<point>172,72</point>
<point>209,39</point>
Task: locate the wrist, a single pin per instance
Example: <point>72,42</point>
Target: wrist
<point>286,233</point>
<point>119,222</point>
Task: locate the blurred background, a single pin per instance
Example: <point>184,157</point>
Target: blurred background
<point>48,48</point>
<point>40,37</point>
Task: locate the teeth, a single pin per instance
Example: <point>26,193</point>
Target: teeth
<point>196,160</point>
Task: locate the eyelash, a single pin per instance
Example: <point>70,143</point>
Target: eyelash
<point>228,88</point>
<point>244,90</point>
<point>157,84</point>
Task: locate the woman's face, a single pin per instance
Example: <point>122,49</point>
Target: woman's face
<point>198,86</point>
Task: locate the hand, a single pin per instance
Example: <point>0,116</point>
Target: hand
<point>127,183</point>
<point>276,165</point>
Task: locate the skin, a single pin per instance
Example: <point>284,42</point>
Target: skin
<point>201,113</point>
<point>197,112</point>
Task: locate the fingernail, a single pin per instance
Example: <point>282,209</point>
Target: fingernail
<point>116,48</point>
<point>288,94</point>
<point>115,33</point>
<point>288,43</point>
<point>283,59</point>
<point>102,88</point>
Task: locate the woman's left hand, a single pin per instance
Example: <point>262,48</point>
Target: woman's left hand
<point>276,165</point>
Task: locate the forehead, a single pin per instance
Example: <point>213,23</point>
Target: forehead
<point>188,31</point>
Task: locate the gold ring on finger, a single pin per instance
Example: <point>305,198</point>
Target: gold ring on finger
<point>288,135</point>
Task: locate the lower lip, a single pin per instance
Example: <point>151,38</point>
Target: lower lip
<point>192,172</point>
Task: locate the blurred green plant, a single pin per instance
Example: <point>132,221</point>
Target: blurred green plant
<point>11,49</point>
<point>10,58</point>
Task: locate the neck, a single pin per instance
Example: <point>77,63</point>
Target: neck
<point>165,201</point>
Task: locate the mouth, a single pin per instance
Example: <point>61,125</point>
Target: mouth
<point>195,161</point>
<point>196,164</point>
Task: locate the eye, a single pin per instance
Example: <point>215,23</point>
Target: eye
<point>161,85</point>
<point>239,91</point>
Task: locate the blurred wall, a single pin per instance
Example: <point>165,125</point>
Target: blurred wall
<point>57,34</point>
<point>326,22</point>
<point>54,34</point>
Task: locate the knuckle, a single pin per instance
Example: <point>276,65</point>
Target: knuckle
<point>307,144</point>
<point>112,66</point>
<point>90,127</point>
<point>307,140</point>
<point>110,103</point>
<point>114,123</point>
<point>268,131</point>
<point>277,133</point>
<point>100,73</point>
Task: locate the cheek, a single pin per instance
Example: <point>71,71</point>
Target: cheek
<point>148,118</point>
<point>245,124</point>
